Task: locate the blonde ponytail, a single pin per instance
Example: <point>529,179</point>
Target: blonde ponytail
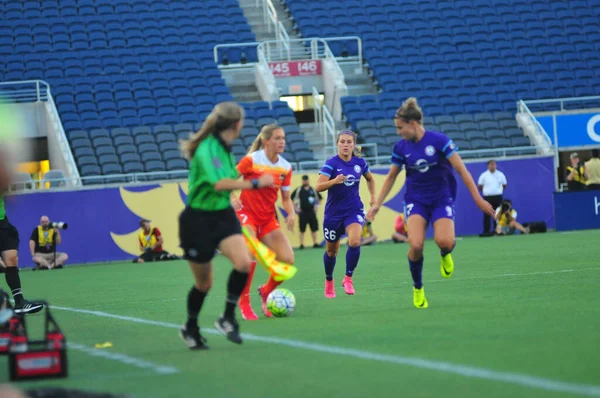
<point>223,117</point>
<point>265,133</point>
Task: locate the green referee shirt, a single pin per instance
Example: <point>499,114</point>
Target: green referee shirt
<point>2,209</point>
<point>212,162</point>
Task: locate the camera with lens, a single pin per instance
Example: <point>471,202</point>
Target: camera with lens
<point>59,225</point>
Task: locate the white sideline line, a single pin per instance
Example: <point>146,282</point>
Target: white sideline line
<point>440,366</point>
<point>126,359</point>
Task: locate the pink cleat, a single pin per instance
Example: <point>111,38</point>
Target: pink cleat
<point>348,285</point>
<point>246,309</point>
<point>264,308</point>
<point>329,289</point>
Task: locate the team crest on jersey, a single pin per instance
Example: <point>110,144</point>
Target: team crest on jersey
<point>281,177</point>
<point>356,168</point>
<point>350,180</point>
<point>430,150</point>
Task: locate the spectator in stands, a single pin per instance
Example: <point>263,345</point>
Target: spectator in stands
<point>306,200</point>
<point>506,216</point>
<point>401,227</point>
<point>492,184</point>
<point>42,245</point>
<point>151,241</point>
<point>575,174</point>
<point>368,235</point>
<point>592,170</point>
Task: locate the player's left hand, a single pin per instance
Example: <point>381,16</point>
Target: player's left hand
<point>290,221</point>
<point>372,212</point>
<point>485,206</point>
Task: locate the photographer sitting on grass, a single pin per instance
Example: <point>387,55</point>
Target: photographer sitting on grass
<point>42,244</point>
<point>151,241</point>
<point>506,219</point>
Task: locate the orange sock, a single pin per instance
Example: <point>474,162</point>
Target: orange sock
<point>270,286</point>
<point>246,292</point>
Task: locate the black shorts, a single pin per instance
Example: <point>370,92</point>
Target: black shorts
<point>308,218</point>
<point>9,236</point>
<point>201,232</point>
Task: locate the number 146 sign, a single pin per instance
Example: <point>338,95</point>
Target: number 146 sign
<point>295,68</point>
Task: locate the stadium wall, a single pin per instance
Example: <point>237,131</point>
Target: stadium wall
<point>104,222</point>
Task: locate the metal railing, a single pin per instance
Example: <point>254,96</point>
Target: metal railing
<point>546,142</point>
<point>28,91</point>
<point>176,176</point>
<point>24,91</point>
<point>274,25</point>
<point>560,102</point>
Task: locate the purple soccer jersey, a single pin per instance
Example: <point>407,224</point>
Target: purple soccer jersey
<point>343,206</point>
<point>430,181</point>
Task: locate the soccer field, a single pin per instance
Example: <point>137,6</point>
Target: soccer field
<point>520,317</point>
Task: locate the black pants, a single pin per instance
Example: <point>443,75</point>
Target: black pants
<point>495,201</point>
<point>593,187</point>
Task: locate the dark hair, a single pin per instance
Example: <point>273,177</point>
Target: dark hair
<point>304,177</point>
<point>491,161</point>
<point>410,111</point>
<point>595,153</point>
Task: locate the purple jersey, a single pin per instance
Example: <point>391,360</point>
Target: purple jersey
<point>344,199</point>
<point>429,174</point>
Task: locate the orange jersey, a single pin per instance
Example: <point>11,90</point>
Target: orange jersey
<point>260,203</point>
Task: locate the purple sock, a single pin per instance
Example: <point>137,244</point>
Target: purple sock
<point>446,252</point>
<point>416,270</point>
<point>352,256</point>
<point>329,263</point>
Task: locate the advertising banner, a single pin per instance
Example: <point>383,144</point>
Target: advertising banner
<point>577,210</point>
<point>104,222</point>
<point>573,130</point>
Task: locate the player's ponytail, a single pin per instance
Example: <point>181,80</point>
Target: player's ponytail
<point>265,133</point>
<point>223,117</point>
<point>410,111</point>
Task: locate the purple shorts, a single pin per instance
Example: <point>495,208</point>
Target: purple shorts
<point>335,227</point>
<point>431,213</point>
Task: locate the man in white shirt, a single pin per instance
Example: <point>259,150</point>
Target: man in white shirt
<point>492,183</point>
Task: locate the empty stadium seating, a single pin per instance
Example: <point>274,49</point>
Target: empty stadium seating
<point>126,75</point>
<point>467,56</point>
<point>462,58</point>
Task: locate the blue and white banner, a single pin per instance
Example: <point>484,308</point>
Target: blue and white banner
<point>577,210</point>
<point>573,130</point>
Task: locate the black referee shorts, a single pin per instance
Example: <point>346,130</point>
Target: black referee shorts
<point>9,236</point>
<point>201,232</point>
<point>308,218</point>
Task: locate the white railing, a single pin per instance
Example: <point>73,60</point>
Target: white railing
<point>24,91</point>
<point>265,80</point>
<point>275,26</point>
<point>28,91</point>
<point>111,180</point>
<point>249,47</point>
<point>318,113</point>
<point>560,102</point>
<point>324,120</point>
<point>61,140</point>
<point>532,128</point>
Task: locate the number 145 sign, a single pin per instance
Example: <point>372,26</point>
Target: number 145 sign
<point>296,68</point>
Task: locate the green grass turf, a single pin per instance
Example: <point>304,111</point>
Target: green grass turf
<point>539,322</point>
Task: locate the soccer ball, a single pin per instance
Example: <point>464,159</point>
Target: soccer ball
<point>281,302</point>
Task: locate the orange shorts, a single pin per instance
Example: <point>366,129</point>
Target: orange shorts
<point>262,228</point>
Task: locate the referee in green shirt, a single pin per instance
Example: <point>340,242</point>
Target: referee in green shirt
<point>9,239</point>
<point>208,221</point>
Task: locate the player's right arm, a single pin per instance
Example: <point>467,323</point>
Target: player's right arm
<point>327,179</point>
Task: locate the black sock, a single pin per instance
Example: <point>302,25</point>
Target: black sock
<point>14,282</point>
<point>195,300</point>
<point>237,281</point>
